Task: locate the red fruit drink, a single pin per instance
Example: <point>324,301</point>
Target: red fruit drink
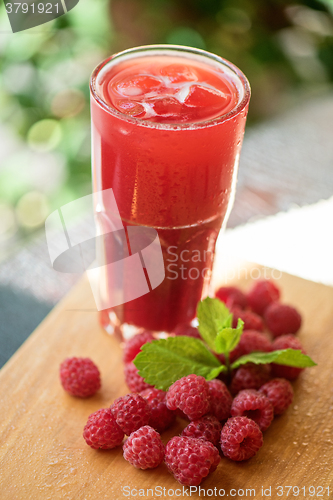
<point>167,125</point>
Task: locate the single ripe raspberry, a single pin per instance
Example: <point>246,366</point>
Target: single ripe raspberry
<point>280,393</point>
<point>187,330</point>
<point>207,427</point>
<point>144,448</point>
<point>102,430</point>
<point>190,394</point>
<point>220,399</point>
<point>241,438</point>
<point>253,404</point>
<point>232,296</point>
<point>250,376</point>
<point>161,417</point>
<point>190,460</point>
<point>135,382</point>
<point>133,345</point>
<point>282,319</point>
<point>80,377</point>
<point>251,341</point>
<point>131,412</point>
<point>252,321</point>
<point>263,293</point>
<point>286,342</point>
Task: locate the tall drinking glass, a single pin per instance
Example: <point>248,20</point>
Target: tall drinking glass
<point>167,129</point>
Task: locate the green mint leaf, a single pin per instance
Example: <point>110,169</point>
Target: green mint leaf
<point>162,362</point>
<point>288,357</point>
<point>210,311</point>
<point>225,322</point>
<point>227,338</point>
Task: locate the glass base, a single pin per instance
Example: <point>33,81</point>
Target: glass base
<point>122,331</point>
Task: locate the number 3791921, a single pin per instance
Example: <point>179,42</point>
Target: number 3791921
<point>33,8</point>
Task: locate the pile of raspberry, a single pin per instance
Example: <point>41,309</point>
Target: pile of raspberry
<point>217,424</point>
<point>269,325</point>
<point>225,418</point>
<point>261,308</point>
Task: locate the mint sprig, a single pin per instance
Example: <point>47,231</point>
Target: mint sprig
<point>227,338</point>
<point>164,361</point>
<point>215,326</point>
<point>288,357</point>
<point>212,313</point>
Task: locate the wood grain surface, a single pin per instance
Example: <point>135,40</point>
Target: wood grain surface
<point>42,452</point>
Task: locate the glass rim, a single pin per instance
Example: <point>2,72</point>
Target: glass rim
<point>172,126</point>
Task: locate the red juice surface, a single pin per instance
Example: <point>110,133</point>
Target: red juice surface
<point>168,91</point>
<point>167,132</point>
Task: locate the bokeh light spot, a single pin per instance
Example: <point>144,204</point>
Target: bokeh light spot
<point>44,135</point>
<point>32,210</point>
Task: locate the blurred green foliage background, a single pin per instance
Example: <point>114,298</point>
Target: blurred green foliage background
<point>284,47</point>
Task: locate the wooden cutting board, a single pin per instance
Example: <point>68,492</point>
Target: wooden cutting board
<point>42,452</point>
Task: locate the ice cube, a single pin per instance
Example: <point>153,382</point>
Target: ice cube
<point>138,86</point>
<point>130,108</point>
<point>178,73</point>
<point>149,111</point>
<point>166,106</point>
<point>205,96</point>
<point>183,91</point>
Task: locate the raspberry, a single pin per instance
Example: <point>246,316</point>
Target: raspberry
<point>131,412</point>
<point>232,296</point>
<point>190,394</point>
<point>241,438</point>
<point>250,341</point>
<point>280,393</point>
<point>80,377</point>
<point>220,399</point>
<point>144,448</point>
<point>190,459</point>
<point>261,295</point>
<point>251,320</point>
<point>187,330</point>
<point>253,404</point>
<point>207,427</point>
<point>281,319</point>
<point>132,378</point>
<point>102,430</point>
<point>161,417</point>
<point>250,376</point>
<point>286,342</point>
<point>133,345</point>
